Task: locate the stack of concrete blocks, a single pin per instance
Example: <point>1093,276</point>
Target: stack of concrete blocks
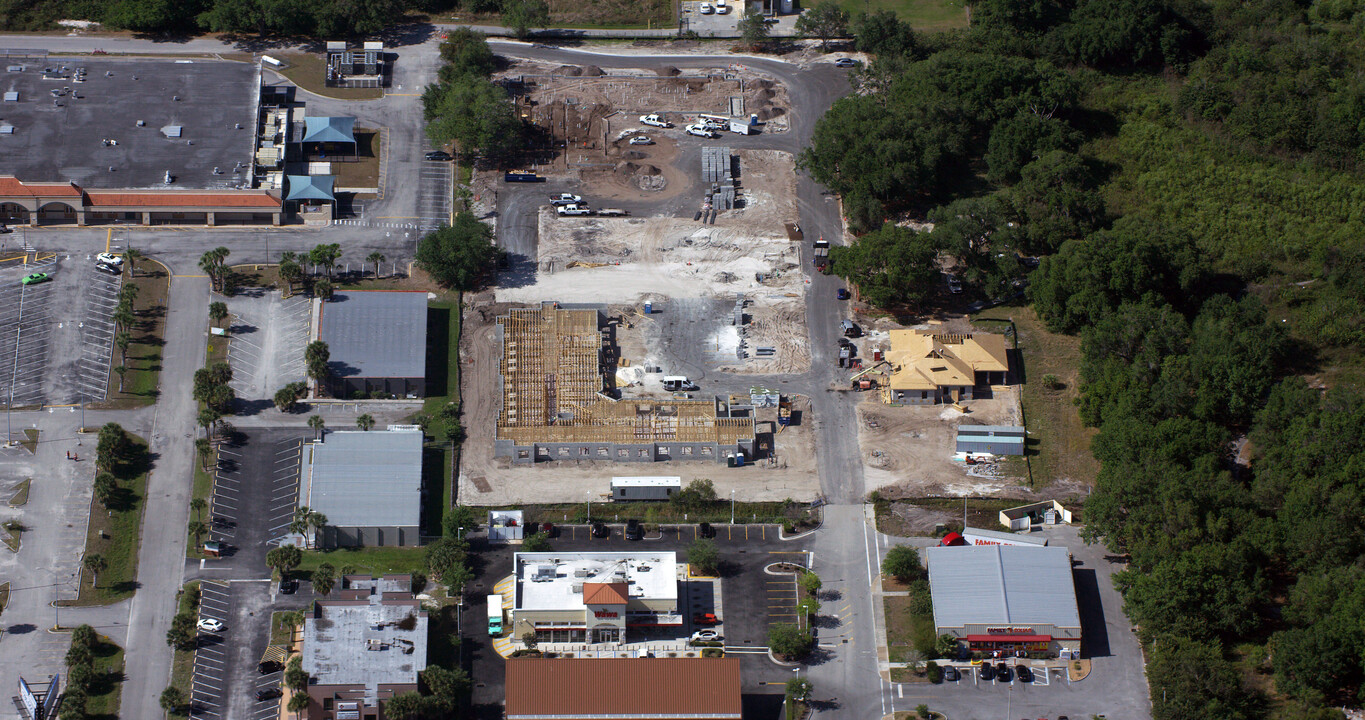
<point>715,172</point>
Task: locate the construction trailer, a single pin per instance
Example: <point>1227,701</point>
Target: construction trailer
<point>625,489</point>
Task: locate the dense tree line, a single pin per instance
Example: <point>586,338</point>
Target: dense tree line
<point>466,108</point>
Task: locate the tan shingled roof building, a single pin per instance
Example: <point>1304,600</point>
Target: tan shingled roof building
<point>929,367</point>
<point>623,689</point>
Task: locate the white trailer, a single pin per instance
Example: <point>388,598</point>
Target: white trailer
<point>625,489</point>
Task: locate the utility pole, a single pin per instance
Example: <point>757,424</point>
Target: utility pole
<point>732,506</point>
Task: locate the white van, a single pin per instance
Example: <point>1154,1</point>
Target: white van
<point>678,382</point>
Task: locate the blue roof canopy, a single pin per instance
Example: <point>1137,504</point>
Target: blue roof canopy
<point>310,187</point>
<point>329,129</point>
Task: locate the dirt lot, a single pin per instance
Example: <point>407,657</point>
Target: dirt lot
<point>485,480</point>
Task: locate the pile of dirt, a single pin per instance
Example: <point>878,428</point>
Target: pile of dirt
<point>646,177</point>
<point>668,71</point>
<point>634,155</point>
<point>593,71</point>
<point>769,113</point>
<point>762,84</point>
<point>570,70</point>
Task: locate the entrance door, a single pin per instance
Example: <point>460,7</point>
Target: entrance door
<point>606,635</point>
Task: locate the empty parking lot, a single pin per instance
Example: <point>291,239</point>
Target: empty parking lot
<point>226,678</point>
<point>434,194</point>
<point>267,339</point>
<point>254,495</point>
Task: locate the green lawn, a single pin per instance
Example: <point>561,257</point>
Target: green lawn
<point>107,685</point>
<point>443,332</point>
<point>20,496</point>
<point>280,634</point>
<point>372,560</point>
<point>141,382</point>
<point>309,71</point>
<point>922,14</point>
<point>1058,445</point>
<point>115,533</point>
<point>203,488</point>
<point>182,667</point>
<point>905,630</point>
<point>30,441</point>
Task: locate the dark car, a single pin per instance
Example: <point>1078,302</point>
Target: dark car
<point>268,694</point>
<point>842,294</point>
<point>548,529</point>
<point>951,674</point>
<point>270,666</point>
<point>5,229</point>
<point>600,530</point>
<point>439,155</point>
<point>109,268</point>
<point>1002,673</point>
<point>706,531</point>
<point>704,619</point>
<point>987,671</point>
<point>289,587</point>
<point>1025,674</point>
<point>634,531</point>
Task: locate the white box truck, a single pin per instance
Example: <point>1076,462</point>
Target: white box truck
<point>494,614</point>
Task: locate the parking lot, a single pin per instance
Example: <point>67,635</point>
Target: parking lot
<point>435,187</point>
<point>225,666</point>
<point>56,336</point>
<point>254,496</point>
<point>266,342</point>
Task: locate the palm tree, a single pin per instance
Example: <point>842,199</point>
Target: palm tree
<point>197,528</point>
<point>364,422</point>
<point>298,702</point>
<point>316,423</point>
<point>123,340</point>
<point>323,289</point>
<point>95,563</point>
<point>198,505</point>
<point>306,519</point>
<point>208,417</point>
<point>375,257</point>
<point>105,485</point>
<point>204,448</point>
<point>131,255</point>
<point>218,311</point>
<point>123,317</point>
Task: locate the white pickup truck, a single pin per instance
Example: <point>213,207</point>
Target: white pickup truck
<point>565,199</point>
<point>655,120</point>
<point>574,210</point>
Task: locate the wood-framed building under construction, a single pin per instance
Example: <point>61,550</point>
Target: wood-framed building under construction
<point>559,400</point>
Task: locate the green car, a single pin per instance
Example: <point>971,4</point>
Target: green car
<point>35,278</point>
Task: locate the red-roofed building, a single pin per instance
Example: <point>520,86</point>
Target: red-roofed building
<point>623,689</point>
<point>55,203</point>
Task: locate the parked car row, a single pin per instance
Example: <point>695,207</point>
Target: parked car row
<point>1000,672</point>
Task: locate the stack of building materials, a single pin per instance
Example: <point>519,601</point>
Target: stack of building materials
<point>715,172</point>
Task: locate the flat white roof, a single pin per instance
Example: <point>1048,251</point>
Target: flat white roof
<point>546,581</point>
<point>647,481</point>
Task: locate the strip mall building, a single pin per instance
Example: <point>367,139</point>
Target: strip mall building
<point>66,203</point>
<point>1003,600</point>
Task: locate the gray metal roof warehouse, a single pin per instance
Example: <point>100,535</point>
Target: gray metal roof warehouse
<point>1002,585</point>
<point>364,480</point>
<point>376,334</point>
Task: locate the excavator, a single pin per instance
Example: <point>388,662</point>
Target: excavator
<point>861,382</point>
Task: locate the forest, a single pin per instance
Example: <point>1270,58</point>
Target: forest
<point>1187,179</point>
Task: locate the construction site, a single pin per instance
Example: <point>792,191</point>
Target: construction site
<point>551,413</point>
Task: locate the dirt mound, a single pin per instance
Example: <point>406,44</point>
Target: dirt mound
<point>646,177</point>
<point>771,112</point>
<point>668,71</point>
<point>762,84</point>
<point>593,71</point>
<point>634,155</point>
<point>570,70</point>
<point>767,95</point>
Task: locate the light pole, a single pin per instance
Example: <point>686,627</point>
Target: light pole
<point>732,506</point>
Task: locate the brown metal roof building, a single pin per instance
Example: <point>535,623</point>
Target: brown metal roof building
<point>623,689</point>
<point>65,203</point>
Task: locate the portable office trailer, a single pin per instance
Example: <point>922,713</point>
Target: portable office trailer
<point>624,489</point>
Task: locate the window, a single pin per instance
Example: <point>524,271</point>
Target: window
<point>643,454</point>
<point>706,451</point>
<point>583,451</point>
<point>602,452</point>
<point>687,450</point>
<point>563,451</point>
<point>622,452</point>
<point>663,450</point>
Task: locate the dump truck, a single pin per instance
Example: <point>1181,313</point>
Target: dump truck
<point>821,258</point>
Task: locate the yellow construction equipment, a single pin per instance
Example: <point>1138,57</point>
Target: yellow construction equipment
<point>583,264</point>
<point>869,369</point>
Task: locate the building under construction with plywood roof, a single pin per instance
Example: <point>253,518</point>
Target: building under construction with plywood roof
<point>559,401</point>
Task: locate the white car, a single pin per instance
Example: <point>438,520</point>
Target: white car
<point>211,625</point>
<point>575,210</point>
<point>700,131</point>
<point>722,9</point>
<point>707,8</point>
<point>109,259</point>
<point>655,120</point>
<point>707,636</point>
<point>641,140</point>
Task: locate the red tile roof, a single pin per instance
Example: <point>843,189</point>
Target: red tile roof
<point>153,198</point>
<point>623,688</point>
<point>605,594</point>
<point>11,186</point>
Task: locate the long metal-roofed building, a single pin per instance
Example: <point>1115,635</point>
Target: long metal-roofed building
<point>377,343</point>
<point>1005,598</point>
<point>558,400</point>
<point>623,689</point>
<point>368,484</point>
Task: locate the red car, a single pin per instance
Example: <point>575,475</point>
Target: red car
<point>704,619</point>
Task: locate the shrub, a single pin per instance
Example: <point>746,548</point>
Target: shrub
<point>934,672</point>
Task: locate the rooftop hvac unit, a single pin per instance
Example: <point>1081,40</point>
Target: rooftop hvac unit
<point>578,588</point>
<point>582,572</point>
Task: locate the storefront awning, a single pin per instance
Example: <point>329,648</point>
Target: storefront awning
<point>1010,638</point>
